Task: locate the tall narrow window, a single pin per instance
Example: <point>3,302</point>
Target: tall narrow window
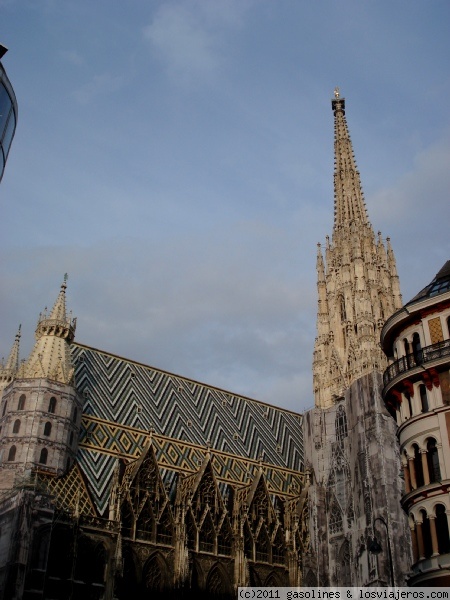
<point>408,398</point>
<point>342,309</point>
<point>47,428</point>
<point>12,453</point>
<point>408,356</point>
<point>52,405</point>
<point>340,423</point>
<point>418,465</point>
<point>21,404</point>
<point>75,414</point>
<point>426,534</point>
<point>433,461</point>
<point>417,348</point>
<point>424,398</point>
<point>4,408</point>
<point>43,457</point>
<point>16,427</point>
<point>442,529</point>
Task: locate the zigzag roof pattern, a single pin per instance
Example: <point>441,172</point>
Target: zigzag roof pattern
<point>125,401</point>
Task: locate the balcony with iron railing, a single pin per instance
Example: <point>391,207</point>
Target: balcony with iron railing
<point>416,360</point>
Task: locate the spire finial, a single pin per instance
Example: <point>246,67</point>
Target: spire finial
<point>337,93</point>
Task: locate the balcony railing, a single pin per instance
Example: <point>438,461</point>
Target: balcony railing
<point>416,359</point>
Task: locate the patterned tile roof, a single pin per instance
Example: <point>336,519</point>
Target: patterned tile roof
<point>126,401</point>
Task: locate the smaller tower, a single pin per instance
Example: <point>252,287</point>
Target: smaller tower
<point>9,369</point>
<point>40,411</point>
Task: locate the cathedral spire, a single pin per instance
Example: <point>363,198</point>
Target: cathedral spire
<point>349,206</point>
<point>10,368</point>
<point>55,332</point>
<point>357,284</point>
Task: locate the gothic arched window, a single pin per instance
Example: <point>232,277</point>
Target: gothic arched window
<point>47,428</point>
<point>52,405</point>
<point>207,535</point>
<point>12,453</point>
<point>21,404</point>
<point>345,562</point>
<point>43,457</point>
<point>341,424</point>
<point>16,426</point>
<point>335,521</point>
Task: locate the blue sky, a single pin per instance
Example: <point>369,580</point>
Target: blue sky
<point>176,159</point>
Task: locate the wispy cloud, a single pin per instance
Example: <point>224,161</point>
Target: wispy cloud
<point>73,57</point>
<point>99,85</point>
<point>187,36</point>
<point>183,42</point>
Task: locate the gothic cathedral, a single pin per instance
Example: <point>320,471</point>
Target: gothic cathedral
<point>120,480</point>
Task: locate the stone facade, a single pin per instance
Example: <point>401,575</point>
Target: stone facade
<point>350,443</point>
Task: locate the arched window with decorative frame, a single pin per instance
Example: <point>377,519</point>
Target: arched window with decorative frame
<point>48,429</point>
<point>52,405</point>
<point>341,424</point>
<point>335,519</point>
<point>16,426</point>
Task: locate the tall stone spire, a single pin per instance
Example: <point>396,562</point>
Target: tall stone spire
<point>50,357</point>
<point>358,285</point>
<point>9,370</point>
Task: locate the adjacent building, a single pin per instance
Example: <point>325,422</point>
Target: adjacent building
<point>8,113</point>
<point>416,391</point>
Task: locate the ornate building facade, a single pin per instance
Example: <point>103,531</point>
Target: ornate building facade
<point>416,340</point>
<point>350,443</point>
<point>120,480</point>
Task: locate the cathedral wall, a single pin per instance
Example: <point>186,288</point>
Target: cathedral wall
<point>353,451</point>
